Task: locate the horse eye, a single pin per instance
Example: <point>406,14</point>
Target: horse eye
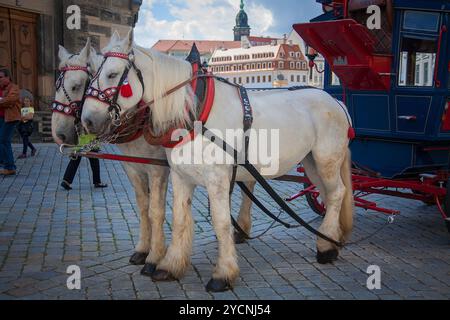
<point>112,75</point>
<point>75,88</point>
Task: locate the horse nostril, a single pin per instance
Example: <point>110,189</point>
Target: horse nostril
<point>62,137</point>
<point>89,124</point>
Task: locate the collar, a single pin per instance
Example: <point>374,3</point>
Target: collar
<point>204,89</point>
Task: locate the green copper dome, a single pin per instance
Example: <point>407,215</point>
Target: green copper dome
<point>242,18</point>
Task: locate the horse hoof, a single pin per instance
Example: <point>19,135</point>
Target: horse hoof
<point>239,237</point>
<point>327,256</point>
<point>148,269</point>
<point>218,285</point>
<point>138,258</point>
<point>162,275</point>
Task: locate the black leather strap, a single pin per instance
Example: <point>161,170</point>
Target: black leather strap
<point>266,186</point>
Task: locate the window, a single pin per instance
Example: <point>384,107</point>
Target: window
<point>270,78</point>
<point>421,21</point>
<point>253,79</point>
<point>269,65</point>
<point>292,78</point>
<point>259,79</point>
<point>426,70</point>
<point>292,65</point>
<point>240,80</point>
<point>247,80</point>
<point>264,79</point>
<point>304,79</point>
<point>417,57</point>
<point>298,78</point>
<point>281,65</point>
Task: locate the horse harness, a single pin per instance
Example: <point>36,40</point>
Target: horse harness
<point>73,107</point>
<point>203,85</point>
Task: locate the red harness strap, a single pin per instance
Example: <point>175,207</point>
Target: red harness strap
<point>166,139</point>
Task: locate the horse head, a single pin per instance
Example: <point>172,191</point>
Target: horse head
<point>70,88</point>
<point>117,87</point>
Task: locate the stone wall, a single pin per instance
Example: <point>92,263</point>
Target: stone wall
<point>99,20</point>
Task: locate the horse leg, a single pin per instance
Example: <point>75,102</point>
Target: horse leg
<point>312,174</point>
<point>226,270</point>
<point>329,171</point>
<point>158,191</point>
<point>140,184</point>
<point>177,258</point>
<point>245,218</point>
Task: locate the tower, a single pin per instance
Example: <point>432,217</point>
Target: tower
<point>242,28</point>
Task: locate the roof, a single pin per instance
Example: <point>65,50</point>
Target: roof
<point>262,39</point>
<point>204,46</point>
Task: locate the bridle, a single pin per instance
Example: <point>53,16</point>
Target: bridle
<point>74,107</point>
<point>110,96</point>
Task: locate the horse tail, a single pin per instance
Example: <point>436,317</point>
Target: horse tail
<point>347,208</point>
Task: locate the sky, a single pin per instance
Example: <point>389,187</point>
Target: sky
<point>215,19</point>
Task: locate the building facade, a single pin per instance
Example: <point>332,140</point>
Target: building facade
<point>30,32</point>
<point>276,65</point>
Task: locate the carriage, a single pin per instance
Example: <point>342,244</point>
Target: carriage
<point>394,77</point>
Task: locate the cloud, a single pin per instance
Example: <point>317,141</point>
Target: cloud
<point>197,19</point>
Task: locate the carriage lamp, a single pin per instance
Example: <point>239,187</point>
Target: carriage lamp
<point>311,54</point>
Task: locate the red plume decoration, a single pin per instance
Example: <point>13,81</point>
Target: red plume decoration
<point>125,89</point>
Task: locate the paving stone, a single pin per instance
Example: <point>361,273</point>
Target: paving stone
<point>44,229</point>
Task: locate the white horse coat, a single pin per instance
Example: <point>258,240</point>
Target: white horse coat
<point>313,128</point>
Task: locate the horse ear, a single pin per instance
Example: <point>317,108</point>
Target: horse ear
<point>115,37</point>
<point>84,54</point>
<point>63,54</point>
<point>128,41</point>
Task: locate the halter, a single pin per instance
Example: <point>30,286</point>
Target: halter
<point>72,108</point>
<point>110,96</point>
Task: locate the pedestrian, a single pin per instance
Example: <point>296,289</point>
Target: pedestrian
<point>25,127</point>
<point>72,168</point>
<point>9,118</point>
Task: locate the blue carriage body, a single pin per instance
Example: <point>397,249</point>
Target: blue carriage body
<point>398,99</point>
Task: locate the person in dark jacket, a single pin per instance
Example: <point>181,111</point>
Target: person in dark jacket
<point>72,168</point>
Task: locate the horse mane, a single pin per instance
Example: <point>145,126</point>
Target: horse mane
<point>177,108</point>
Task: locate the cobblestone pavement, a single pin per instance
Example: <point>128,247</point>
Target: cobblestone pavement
<point>44,229</point>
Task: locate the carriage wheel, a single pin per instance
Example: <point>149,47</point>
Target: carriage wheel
<point>315,202</point>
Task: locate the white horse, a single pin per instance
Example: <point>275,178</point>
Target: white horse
<point>313,128</point>
<point>149,182</point>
